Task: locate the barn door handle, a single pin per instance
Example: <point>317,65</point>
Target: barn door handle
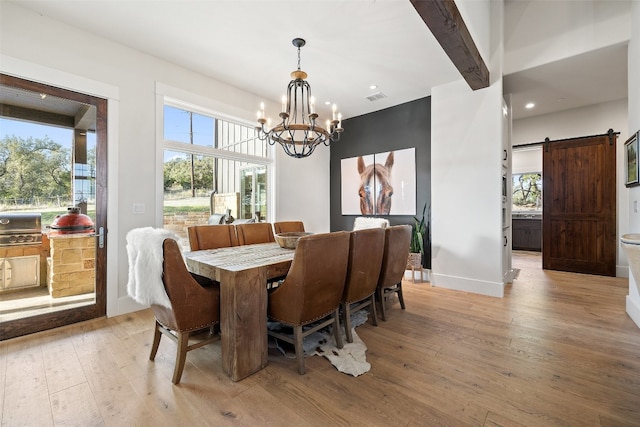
<point>505,241</point>
<point>505,154</point>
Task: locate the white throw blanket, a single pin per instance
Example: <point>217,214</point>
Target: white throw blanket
<point>144,248</point>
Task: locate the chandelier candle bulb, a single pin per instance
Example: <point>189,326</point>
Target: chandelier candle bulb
<point>284,103</point>
<point>339,120</point>
<point>312,106</point>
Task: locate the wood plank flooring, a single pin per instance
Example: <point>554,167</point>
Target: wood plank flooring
<point>558,350</point>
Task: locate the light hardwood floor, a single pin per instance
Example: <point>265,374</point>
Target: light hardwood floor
<point>559,349</point>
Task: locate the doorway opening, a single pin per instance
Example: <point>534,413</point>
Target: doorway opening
<point>526,197</point>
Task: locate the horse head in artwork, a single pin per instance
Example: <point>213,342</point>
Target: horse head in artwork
<point>375,186</point>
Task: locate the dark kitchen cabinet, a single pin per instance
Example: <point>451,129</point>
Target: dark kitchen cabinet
<point>527,234</point>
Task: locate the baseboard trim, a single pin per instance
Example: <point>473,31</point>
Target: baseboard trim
<point>492,289</point>
<point>622,271</point>
<point>633,310</point>
<point>128,305</point>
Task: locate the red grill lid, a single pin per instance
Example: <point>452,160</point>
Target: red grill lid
<point>72,220</point>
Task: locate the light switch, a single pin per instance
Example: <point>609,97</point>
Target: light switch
<point>138,208</point>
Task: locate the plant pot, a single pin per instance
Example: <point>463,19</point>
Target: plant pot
<point>415,260</point>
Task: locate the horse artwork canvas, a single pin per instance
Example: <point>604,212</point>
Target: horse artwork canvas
<point>375,186</point>
<point>379,184</point>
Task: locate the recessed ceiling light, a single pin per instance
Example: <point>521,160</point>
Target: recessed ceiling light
<point>529,105</point>
<point>372,87</point>
<point>327,102</point>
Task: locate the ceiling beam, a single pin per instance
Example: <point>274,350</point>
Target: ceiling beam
<point>35,116</point>
<point>445,22</point>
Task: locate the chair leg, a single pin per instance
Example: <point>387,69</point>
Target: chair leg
<point>380,296</point>
<point>336,328</point>
<point>346,311</point>
<point>183,343</point>
<point>374,319</point>
<point>400,297</point>
<point>156,341</point>
<point>299,349</point>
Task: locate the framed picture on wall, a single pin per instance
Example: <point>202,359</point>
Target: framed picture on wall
<point>631,161</point>
<point>379,184</point>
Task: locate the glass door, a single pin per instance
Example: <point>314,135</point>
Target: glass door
<point>253,188</point>
<point>53,146</point>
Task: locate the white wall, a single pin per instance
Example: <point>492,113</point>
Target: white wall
<point>591,120</point>
<point>44,48</point>
<point>299,177</point>
<point>466,149</point>
<point>539,32</point>
<point>466,196</point>
<point>633,299</point>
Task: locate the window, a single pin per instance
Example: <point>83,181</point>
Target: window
<point>211,166</point>
<point>527,192</point>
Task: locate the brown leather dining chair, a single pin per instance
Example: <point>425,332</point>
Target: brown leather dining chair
<point>212,236</point>
<point>394,263</point>
<point>195,306</point>
<point>312,289</point>
<point>253,233</point>
<point>363,269</point>
<point>288,226</point>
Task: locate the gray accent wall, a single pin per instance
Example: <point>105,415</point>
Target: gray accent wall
<point>402,126</point>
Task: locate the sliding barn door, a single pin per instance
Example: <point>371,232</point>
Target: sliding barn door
<point>579,205</point>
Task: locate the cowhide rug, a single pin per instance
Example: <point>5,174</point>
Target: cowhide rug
<point>350,359</point>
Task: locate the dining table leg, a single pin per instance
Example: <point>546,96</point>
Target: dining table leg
<point>243,321</point>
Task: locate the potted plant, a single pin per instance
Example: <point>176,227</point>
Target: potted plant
<point>416,250</point>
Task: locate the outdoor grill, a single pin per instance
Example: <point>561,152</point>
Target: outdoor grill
<point>20,229</point>
<point>73,222</point>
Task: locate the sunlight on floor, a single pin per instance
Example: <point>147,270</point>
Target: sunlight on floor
<point>32,302</point>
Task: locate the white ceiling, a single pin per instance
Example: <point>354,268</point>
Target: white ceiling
<point>351,44</point>
<point>591,78</point>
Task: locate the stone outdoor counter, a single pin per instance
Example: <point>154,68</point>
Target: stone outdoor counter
<point>71,265</point>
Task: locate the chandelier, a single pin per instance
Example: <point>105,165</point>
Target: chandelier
<point>298,133</point>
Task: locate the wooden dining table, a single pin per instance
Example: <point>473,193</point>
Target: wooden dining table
<point>243,272</point>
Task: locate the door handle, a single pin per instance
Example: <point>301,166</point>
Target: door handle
<point>100,237</point>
